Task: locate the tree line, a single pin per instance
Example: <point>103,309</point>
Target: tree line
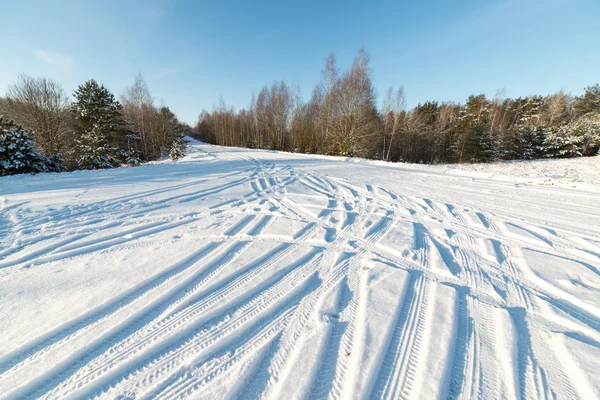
<point>342,118</point>
<point>41,129</point>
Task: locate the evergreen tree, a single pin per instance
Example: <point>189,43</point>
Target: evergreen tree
<point>530,112</point>
<point>129,144</point>
<point>93,151</point>
<point>178,148</point>
<point>100,128</point>
<point>166,132</point>
<point>529,143</point>
<point>588,103</point>
<point>474,131</point>
<point>18,154</point>
<point>579,138</point>
<point>481,144</point>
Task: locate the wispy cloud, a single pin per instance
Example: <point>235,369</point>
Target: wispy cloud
<point>62,61</point>
<point>168,72</point>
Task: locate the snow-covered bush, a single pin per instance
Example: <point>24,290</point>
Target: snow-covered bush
<point>18,154</point>
<point>578,138</point>
<point>178,148</point>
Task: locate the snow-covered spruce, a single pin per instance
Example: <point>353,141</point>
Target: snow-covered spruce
<point>579,138</point>
<point>18,154</point>
<point>178,148</point>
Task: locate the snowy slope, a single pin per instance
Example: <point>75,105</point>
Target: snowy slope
<point>252,274</point>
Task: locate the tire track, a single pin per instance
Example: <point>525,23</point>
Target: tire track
<point>102,243</point>
<point>331,343</point>
<point>77,359</point>
<point>175,316</point>
<point>461,358</point>
<point>191,342</point>
<point>398,373</point>
<point>352,342</point>
<point>282,365</point>
<point>89,320</point>
<point>203,372</point>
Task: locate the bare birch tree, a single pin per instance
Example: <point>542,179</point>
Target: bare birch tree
<point>138,105</point>
<point>392,116</point>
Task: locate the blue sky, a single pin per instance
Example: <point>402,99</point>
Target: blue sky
<point>192,52</point>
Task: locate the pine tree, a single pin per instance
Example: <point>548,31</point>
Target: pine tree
<point>527,139</point>
<point>18,154</point>
<point>165,132</point>
<point>93,151</point>
<point>178,148</point>
<point>100,134</point>
<point>589,103</point>
<point>529,143</point>
<point>475,141</point>
<point>128,144</point>
<point>481,144</point>
<point>579,138</point>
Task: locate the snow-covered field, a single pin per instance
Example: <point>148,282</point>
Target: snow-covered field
<point>252,274</point>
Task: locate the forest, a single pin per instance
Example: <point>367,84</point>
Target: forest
<point>343,118</point>
<point>43,130</point>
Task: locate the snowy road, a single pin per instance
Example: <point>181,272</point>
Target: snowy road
<point>251,274</point>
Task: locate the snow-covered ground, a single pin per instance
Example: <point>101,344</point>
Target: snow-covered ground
<point>254,274</point>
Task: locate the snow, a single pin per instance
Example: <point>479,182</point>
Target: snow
<point>236,273</point>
